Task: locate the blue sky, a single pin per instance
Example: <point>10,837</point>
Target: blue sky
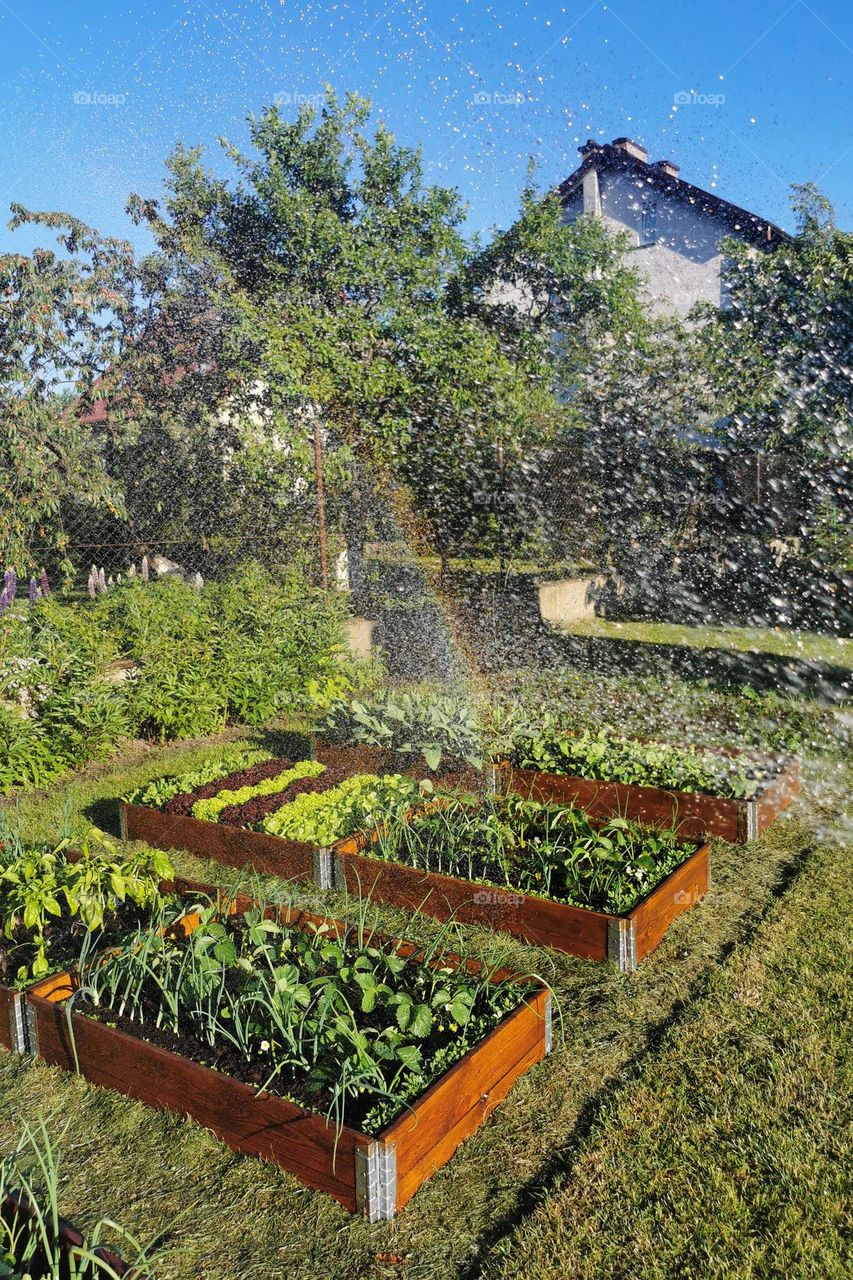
<point>94,95</point>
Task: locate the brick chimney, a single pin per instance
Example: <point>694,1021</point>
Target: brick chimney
<point>632,149</point>
<point>666,166</point>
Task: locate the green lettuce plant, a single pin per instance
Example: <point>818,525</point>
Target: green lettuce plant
<point>209,809</point>
<point>359,803</point>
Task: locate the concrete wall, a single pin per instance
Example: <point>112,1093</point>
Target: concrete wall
<point>358,633</point>
<point>567,600</point>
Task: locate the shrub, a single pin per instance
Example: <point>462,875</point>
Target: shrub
<point>159,659</point>
<point>429,723</point>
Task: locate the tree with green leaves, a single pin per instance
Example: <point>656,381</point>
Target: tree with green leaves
<point>65,319</point>
<point>355,299</point>
<point>781,358</point>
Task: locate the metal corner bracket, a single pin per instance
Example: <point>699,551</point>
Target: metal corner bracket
<point>622,945</point>
<point>376,1181</point>
<point>323,868</point>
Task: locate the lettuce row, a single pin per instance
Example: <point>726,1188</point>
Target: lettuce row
<point>210,809</point>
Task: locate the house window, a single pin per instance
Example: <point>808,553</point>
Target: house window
<point>648,221</point>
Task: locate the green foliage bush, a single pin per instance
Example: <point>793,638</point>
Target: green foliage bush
<point>408,720</point>
<point>162,660</point>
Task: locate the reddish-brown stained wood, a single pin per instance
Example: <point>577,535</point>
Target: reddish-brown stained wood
<point>71,1241</point>
<point>449,1140</point>
<point>261,1125</point>
<point>551,924</point>
<point>274,1129</point>
<point>777,795</point>
<point>676,894</point>
<point>8,999</point>
<point>457,1104</point>
<point>233,846</point>
<point>693,814</point>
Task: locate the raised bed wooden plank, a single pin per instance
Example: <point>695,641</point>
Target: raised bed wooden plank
<point>360,1171</point>
<point>694,815</point>
<point>536,920</point>
<point>232,846</point>
<point>774,797</point>
<point>457,1104</point>
<point>680,891</point>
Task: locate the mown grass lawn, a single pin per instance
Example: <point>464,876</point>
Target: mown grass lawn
<point>731,1153</point>
<point>702,1089</point>
<point>836,650</point>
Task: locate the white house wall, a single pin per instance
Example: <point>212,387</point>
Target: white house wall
<point>684,264</point>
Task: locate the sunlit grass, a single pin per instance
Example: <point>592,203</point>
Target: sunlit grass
<point>837,650</point>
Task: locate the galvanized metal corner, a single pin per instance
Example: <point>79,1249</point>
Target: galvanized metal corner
<point>752,819</point>
<point>622,944</point>
<point>17,1024</point>
<point>376,1181</point>
<point>31,1036</point>
<point>324,868</point>
<point>549,1024</point>
<point>122,819</point>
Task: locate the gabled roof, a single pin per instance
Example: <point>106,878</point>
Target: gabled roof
<point>613,157</point>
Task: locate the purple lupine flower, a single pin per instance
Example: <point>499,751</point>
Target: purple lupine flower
<point>4,602</point>
<point>33,591</point>
<point>102,580</point>
<point>44,585</point>
<point>10,584</point>
<point>144,568</point>
<point>92,584</point>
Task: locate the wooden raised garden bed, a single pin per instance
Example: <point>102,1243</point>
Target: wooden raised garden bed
<point>579,931</point>
<point>272,855</point>
<point>694,814</point>
<point>375,1176</point>
<point>71,1241</point>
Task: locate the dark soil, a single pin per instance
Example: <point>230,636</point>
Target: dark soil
<point>65,936</point>
<point>181,804</point>
<point>253,811</point>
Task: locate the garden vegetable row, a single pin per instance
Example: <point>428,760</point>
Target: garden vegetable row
<point>732,794</point>
<point>357,1062</point>
<point>586,771</point>
<point>545,873</point>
